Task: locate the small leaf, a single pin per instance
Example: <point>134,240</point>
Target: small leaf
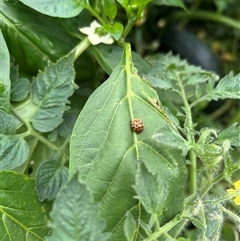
<point>14,72</point>
<point>115,30</point>
<point>41,47</point>
<point>170,139</point>
<point>5,82</point>
<point>22,216</point>
<point>51,176</point>
<point>109,8</point>
<point>2,88</point>
<point>232,133</point>
<point>174,3</point>
<point>214,220</point>
<point>65,128</point>
<point>227,87</point>
<point>130,226</point>
<point>20,89</point>
<point>56,8</point>
<point>150,190</point>
<point>7,126</point>
<point>51,90</point>
<point>198,215</point>
<point>198,91</point>
<point>75,216</point>
<point>133,8</point>
<point>221,6</point>
<point>14,152</point>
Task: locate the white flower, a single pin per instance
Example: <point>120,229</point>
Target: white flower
<point>96,34</point>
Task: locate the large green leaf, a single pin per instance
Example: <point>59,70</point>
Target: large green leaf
<point>108,57</point>
<point>14,152</point>
<point>32,38</point>
<point>56,8</point>
<point>5,83</point>
<point>23,217</point>
<point>105,149</point>
<point>75,216</point>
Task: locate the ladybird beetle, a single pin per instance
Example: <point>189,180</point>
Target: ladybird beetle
<point>137,125</point>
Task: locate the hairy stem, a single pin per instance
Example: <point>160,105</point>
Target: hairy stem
<point>189,127</point>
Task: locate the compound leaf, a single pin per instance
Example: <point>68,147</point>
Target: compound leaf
<point>51,90</point>
<point>227,87</point>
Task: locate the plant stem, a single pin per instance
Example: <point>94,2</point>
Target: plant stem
<point>189,126</point>
<point>164,229</point>
<point>192,172</point>
<point>231,214</point>
<point>210,183</point>
<point>48,143</point>
<point>38,136</point>
<point>207,15</point>
<point>128,28</point>
<point>81,47</point>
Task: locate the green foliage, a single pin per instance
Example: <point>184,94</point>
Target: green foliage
<point>51,176</point>
<point>66,113</point>
<point>4,75</point>
<point>23,217</point>
<point>130,226</point>
<point>44,45</point>
<point>50,91</point>
<point>14,149</point>
<point>56,8</point>
<point>75,215</point>
<point>150,190</point>
<point>121,98</point>
<point>176,3</point>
